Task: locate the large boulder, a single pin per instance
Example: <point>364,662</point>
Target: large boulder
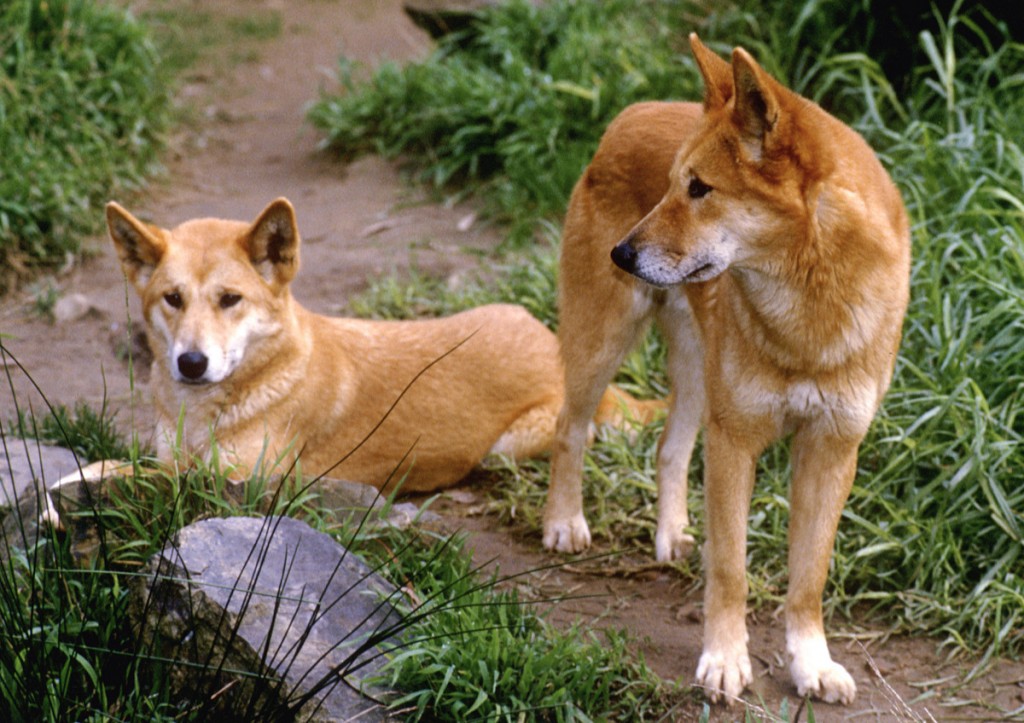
<point>266,618</point>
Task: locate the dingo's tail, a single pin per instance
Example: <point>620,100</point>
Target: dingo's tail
<point>620,409</point>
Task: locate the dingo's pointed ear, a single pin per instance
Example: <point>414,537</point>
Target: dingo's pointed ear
<point>716,73</point>
<point>273,242</point>
<point>757,107</point>
<point>139,246</point>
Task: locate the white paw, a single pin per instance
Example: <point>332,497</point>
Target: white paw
<point>674,545</point>
<point>48,516</point>
<point>568,535</point>
<point>95,472</point>
<point>815,673</point>
<point>724,676</point>
<point>828,682</point>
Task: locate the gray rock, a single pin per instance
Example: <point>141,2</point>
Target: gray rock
<point>268,618</point>
<point>26,468</point>
<point>24,461</point>
<point>352,502</point>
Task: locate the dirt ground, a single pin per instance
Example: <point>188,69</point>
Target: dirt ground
<point>245,144</point>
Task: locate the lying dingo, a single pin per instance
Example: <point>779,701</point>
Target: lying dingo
<point>377,402</point>
<point>772,250</point>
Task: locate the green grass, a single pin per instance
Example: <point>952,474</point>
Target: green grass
<point>933,537</point>
<point>942,469</point>
<point>216,36</point>
<point>528,281</point>
<point>89,433</point>
<point>69,650</point>
<point>499,660</point>
<point>83,103</point>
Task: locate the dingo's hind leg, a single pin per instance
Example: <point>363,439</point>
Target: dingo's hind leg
<point>592,351</point>
<point>530,435</point>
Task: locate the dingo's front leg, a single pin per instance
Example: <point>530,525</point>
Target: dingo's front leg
<point>686,371</point>
<point>724,667</point>
<point>565,527</point>
<point>823,471</point>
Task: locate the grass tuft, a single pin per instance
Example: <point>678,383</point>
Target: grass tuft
<point>83,102</point>
<point>515,104</point>
<point>478,652</point>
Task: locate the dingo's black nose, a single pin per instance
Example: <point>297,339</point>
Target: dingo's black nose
<point>192,365</point>
<point>624,256</point>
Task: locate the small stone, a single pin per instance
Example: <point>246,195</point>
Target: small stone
<point>466,222</point>
<point>72,307</point>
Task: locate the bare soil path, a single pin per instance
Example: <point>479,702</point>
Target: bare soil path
<point>247,144</point>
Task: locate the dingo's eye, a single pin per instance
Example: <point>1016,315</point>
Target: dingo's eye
<point>698,189</point>
<point>229,300</point>
<point>173,299</point>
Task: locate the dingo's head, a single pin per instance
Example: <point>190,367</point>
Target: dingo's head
<point>212,290</point>
<point>737,184</point>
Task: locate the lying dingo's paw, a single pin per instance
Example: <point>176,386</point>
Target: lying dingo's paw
<point>724,675</point>
<point>90,473</point>
<point>48,516</point>
<point>570,535</point>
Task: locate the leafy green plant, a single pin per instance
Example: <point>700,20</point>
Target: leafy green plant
<point>44,296</point>
<point>66,653</point>
<point>83,102</point>
<point>91,434</point>
<point>528,280</point>
<point>68,650</point>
